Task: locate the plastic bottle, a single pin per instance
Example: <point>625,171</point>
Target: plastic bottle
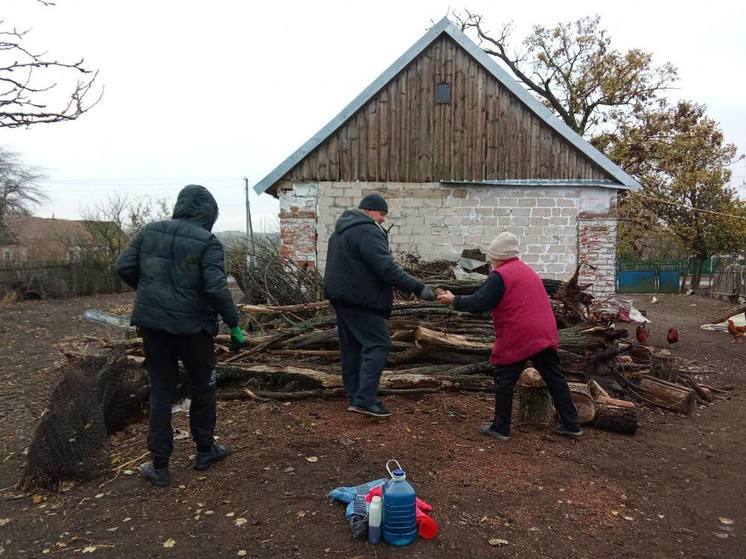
<point>374,520</point>
<point>399,508</point>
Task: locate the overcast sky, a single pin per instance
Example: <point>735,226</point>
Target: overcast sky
<point>211,92</point>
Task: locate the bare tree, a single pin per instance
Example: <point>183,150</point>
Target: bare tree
<point>574,70</point>
<point>113,222</point>
<point>19,185</point>
<point>29,83</point>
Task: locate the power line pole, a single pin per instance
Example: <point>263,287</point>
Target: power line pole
<point>249,228</point>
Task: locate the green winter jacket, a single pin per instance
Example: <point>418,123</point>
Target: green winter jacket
<point>176,267</point>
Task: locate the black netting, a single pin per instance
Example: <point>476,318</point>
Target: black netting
<point>95,397</point>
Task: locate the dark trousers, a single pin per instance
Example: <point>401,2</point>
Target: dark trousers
<point>364,343</point>
<point>547,363</point>
<point>162,351</point>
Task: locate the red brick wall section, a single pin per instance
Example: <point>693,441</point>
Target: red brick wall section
<point>597,250</point>
<point>298,209</point>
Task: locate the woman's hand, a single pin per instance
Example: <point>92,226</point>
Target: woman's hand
<point>446,297</point>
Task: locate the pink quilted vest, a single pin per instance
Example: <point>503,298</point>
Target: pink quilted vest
<point>523,320</point>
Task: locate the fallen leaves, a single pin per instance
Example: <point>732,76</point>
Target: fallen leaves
<point>89,549</point>
<point>4,521</point>
<point>726,521</point>
<point>312,459</point>
<point>170,542</point>
<point>36,499</point>
<point>240,521</point>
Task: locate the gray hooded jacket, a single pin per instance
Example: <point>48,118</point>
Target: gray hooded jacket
<point>177,268</point>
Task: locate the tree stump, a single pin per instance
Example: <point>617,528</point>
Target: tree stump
<point>533,406</point>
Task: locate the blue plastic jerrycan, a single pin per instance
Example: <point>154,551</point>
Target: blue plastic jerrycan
<point>399,508</point>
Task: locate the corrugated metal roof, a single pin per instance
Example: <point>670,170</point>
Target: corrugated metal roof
<point>626,182</point>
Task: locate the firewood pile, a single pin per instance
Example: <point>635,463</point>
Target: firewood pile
<point>292,352</point>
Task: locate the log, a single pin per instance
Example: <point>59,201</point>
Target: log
<point>407,356</point>
<point>667,394</point>
<point>581,397</point>
<point>331,354</point>
<point>616,419</point>
<point>601,396</point>
<point>327,337</point>
<point>276,374</point>
<point>458,342</point>
<point>267,309</point>
<point>452,357</point>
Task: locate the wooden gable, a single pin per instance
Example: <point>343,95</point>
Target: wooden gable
<point>402,134</point>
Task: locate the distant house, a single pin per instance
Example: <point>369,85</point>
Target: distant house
<point>461,151</point>
<point>27,239</point>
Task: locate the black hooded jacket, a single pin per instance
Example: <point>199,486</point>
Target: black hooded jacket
<point>177,268</point>
<point>360,271</point>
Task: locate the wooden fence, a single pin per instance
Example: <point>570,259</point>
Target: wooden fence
<point>729,283</point>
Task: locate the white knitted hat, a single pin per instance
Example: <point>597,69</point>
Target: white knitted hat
<point>503,247</point>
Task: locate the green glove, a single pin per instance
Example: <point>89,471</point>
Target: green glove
<point>237,339</point>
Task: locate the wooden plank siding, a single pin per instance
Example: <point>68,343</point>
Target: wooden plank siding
<point>484,133</point>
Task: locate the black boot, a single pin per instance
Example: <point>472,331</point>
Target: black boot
<point>206,459</point>
<point>159,478</point>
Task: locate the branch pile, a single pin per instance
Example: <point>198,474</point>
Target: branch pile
<point>293,352</point>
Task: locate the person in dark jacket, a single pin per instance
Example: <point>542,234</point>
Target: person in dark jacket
<point>176,268</point>
<point>359,279</point>
<point>525,329</point>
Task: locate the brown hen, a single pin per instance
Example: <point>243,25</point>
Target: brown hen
<point>642,332</point>
<point>737,332</point>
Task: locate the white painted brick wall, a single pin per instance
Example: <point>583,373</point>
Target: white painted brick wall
<point>440,221</point>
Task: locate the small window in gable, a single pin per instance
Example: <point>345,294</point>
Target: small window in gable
<point>443,93</point>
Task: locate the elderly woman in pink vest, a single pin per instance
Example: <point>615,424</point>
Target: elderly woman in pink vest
<point>525,329</point>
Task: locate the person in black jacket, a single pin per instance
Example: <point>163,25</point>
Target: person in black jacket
<point>176,268</point>
<point>359,279</point>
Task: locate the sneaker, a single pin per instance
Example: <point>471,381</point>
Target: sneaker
<point>376,410</point>
<point>564,431</point>
<point>159,478</point>
<point>490,432</point>
<point>204,460</point>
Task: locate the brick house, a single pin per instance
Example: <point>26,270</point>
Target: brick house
<point>461,151</point>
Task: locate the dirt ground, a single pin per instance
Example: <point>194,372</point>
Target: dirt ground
<point>675,489</point>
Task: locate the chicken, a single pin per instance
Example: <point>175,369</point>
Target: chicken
<point>642,332</point>
<point>672,337</point>
<point>738,332</point>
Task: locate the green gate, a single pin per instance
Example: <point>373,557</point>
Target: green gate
<point>642,277</point>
